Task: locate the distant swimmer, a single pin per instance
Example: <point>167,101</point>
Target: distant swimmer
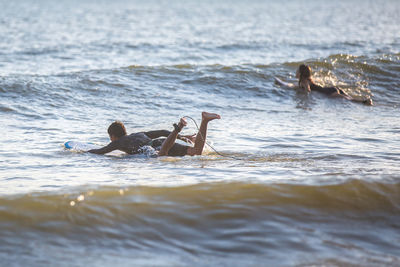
<point>133,143</point>
<point>306,83</point>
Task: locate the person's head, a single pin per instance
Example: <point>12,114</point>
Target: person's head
<point>116,130</point>
<point>303,72</point>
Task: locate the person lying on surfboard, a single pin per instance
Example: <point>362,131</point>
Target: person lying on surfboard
<point>133,143</point>
<point>306,83</point>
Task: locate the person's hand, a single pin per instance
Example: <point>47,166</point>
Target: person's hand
<point>189,138</point>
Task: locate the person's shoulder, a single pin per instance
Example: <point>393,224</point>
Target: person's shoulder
<point>135,135</point>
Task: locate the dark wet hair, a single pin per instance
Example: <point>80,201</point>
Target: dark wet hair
<point>117,129</point>
<point>304,72</point>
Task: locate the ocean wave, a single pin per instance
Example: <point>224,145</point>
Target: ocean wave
<point>212,218</point>
<point>359,76</point>
<point>369,64</point>
<point>40,51</point>
<point>355,196</point>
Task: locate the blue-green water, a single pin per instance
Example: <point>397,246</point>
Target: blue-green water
<point>315,180</point>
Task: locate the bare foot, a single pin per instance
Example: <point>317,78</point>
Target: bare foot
<point>182,123</point>
<point>209,116</point>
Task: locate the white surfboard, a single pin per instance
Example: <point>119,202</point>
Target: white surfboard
<point>285,84</point>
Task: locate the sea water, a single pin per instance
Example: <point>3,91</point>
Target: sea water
<point>298,179</point>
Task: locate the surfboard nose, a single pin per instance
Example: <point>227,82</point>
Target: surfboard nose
<point>68,145</point>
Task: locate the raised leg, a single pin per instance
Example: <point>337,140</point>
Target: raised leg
<point>202,134</point>
<point>170,141</point>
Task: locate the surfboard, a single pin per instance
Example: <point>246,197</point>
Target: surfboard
<point>282,83</point>
<point>80,146</point>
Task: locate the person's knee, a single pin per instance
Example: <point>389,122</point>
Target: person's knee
<point>193,151</point>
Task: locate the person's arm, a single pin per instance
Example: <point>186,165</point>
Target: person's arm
<point>165,133</point>
<point>108,148</point>
<point>157,134</point>
<point>169,142</point>
<point>190,139</point>
<point>284,84</point>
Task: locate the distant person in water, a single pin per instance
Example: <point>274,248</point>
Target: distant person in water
<point>133,143</point>
<point>306,83</point>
